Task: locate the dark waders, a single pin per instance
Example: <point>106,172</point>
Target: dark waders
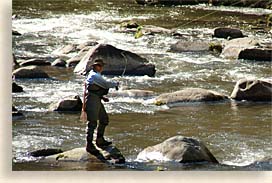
<point>95,111</point>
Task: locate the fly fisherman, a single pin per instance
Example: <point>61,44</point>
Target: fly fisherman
<point>97,87</point>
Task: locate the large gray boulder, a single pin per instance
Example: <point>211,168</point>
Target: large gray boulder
<point>230,33</point>
<point>178,149</point>
<point>118,62</point>
<point>30,72</point>
<point>232,48</point>
<point>252,90</point>
<point>72,104</point>
<point>189,95</point>
<point>189,46</point>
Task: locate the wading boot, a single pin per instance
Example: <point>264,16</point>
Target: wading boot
<point>90,148</point>
<point>100,141</point>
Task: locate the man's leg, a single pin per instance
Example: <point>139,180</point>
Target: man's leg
<point>93,105</point>
<point>103,122</point>
<point>91,126</point>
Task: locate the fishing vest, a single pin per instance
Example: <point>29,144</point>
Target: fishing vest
<point>97,90</point>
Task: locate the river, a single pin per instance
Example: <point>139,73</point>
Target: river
<point>237,133</point>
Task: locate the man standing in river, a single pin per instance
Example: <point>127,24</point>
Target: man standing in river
<point>97,87</point>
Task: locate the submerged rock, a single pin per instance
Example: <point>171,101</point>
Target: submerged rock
<point>86,44</point>
<point>30,72</point>
<point>16,88</point>
<point>65,49</point>
<point>35,61</point>
<point>16,33</point>
<point>79,155</point>
<point>189,95</point>
<point>228,33</point>
<point>68,104</point>
<point>179,149</point>
<point>16,113</point>
<point>132,93</point>
<point>45,152</point>
<point>252,90</point>
<point>59,63</point>
<point>190,46</point>
<point>117,61</point>
<point>257,54</point>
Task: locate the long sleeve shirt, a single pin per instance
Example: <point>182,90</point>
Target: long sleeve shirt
<point>96,78</point>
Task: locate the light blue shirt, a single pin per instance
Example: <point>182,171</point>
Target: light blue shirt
<point>96,78</point>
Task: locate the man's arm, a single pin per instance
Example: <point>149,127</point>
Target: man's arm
<point>98,80</point>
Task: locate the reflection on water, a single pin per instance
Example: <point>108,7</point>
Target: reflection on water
<point>236,133</point>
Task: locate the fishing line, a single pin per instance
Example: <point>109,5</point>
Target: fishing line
<point>125,68</point>
<point>215,11</point>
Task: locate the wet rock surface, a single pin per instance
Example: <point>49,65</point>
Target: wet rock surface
<point>256,54</point>
<point>228,33</point>
<point>35,61</point>
<point>72,104</point>
<point>16,88</point>
<point>178,149</point>
<point>189,95</point>
<point>45,152</point>
<point>30,72</point>
<point>109,154</point>
<point>252,90</point>
<point>190,46</point>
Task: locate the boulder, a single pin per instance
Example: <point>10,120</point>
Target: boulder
<point>132,93</point>
<point>16,33</point>
<point>257,54</point>
<point>16,88</point>
<point>30,72</point>
<point>252,90</point>
<point>109,154</point>
<point>72,62</point>
<point>65,49</point>
<point>86,44</point>
<point>227,33</point>
<point>118,62</point>
<point>130,24</point>
<point>45,152</point>
<point>189,46</point>
<point>14,60</point>
<point>35,61</point>
<point>68,104</point>
<point>232,48</point>
<point>178,149</point>
<point>16,113</point>
<point>189,95</point>
<point>59,63</point>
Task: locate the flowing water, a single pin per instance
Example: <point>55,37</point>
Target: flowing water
<point>237,133</point>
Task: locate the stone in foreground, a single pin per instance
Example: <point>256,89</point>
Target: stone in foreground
<point>252,90</point>
<point>178,149</point>
<point>108,155</point>
<point>189,95</point>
